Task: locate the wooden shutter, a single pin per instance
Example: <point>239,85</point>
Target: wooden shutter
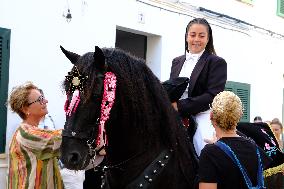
<point>280,8</point>
<point>229,86</point>
<point>4,80</point>
<point>243,92</point>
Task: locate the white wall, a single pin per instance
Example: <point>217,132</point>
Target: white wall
<point>261,13</point>
<point>38,28</point>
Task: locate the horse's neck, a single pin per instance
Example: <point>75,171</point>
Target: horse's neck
<point>128,156</point>
<point>127,170</point>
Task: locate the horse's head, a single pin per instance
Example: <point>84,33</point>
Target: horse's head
<point>84,87</point>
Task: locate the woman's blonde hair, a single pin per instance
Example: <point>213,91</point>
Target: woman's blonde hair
<point>226,110</point>
<point>19,98</point>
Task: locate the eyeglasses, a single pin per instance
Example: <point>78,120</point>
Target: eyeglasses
<point>40,100</point>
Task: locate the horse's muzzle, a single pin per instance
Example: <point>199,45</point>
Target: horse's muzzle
<point>74,161</point>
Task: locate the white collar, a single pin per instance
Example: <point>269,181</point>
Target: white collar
<point>195,57</point>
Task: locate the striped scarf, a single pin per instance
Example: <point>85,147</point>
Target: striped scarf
<point>33,157</point>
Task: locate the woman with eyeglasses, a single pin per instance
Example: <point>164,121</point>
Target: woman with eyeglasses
<point>33,152</point>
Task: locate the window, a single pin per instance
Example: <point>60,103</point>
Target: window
<point>243,91</point>
<point>280,8</point>
<point>4,80</point>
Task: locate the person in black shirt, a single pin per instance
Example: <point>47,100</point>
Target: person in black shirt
<point>216,168</point>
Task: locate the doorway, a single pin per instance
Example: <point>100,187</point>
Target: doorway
<point>136,44</point>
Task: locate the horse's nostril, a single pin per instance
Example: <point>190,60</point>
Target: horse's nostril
<point>74,158</point>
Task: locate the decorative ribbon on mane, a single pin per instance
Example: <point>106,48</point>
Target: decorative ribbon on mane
<point>107,103</point>
<point>73,104</point>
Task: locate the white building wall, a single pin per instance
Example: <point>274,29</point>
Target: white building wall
<point>38,28</point>
<point>261,13</point>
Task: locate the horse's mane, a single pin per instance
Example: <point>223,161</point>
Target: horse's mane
<point>142,97</point>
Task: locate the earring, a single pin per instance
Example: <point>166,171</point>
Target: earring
<point>28,113</point>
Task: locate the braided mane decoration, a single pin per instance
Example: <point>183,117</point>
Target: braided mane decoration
<point>107,103</point>
<point>73,104</point>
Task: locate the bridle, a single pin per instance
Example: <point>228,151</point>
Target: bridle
<point>88,136</point>
<point>150,172</point>
<point>106,106</point>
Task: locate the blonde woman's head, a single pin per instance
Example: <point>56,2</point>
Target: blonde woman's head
<point>19,98</point>
<point>226,110</point>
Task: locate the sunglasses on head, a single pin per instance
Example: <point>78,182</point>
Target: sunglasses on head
<point>40,99</point>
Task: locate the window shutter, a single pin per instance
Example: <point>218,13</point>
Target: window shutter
<point>280,8</point>
<point>243,92</point>
<point>4,80</point>
<point>229,86</point>
<point>244,95</point>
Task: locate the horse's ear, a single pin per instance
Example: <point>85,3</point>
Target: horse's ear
<point>99,58</point>
<point>73,57</point>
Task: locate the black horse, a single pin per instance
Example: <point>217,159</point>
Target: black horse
<point>114,101</point>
